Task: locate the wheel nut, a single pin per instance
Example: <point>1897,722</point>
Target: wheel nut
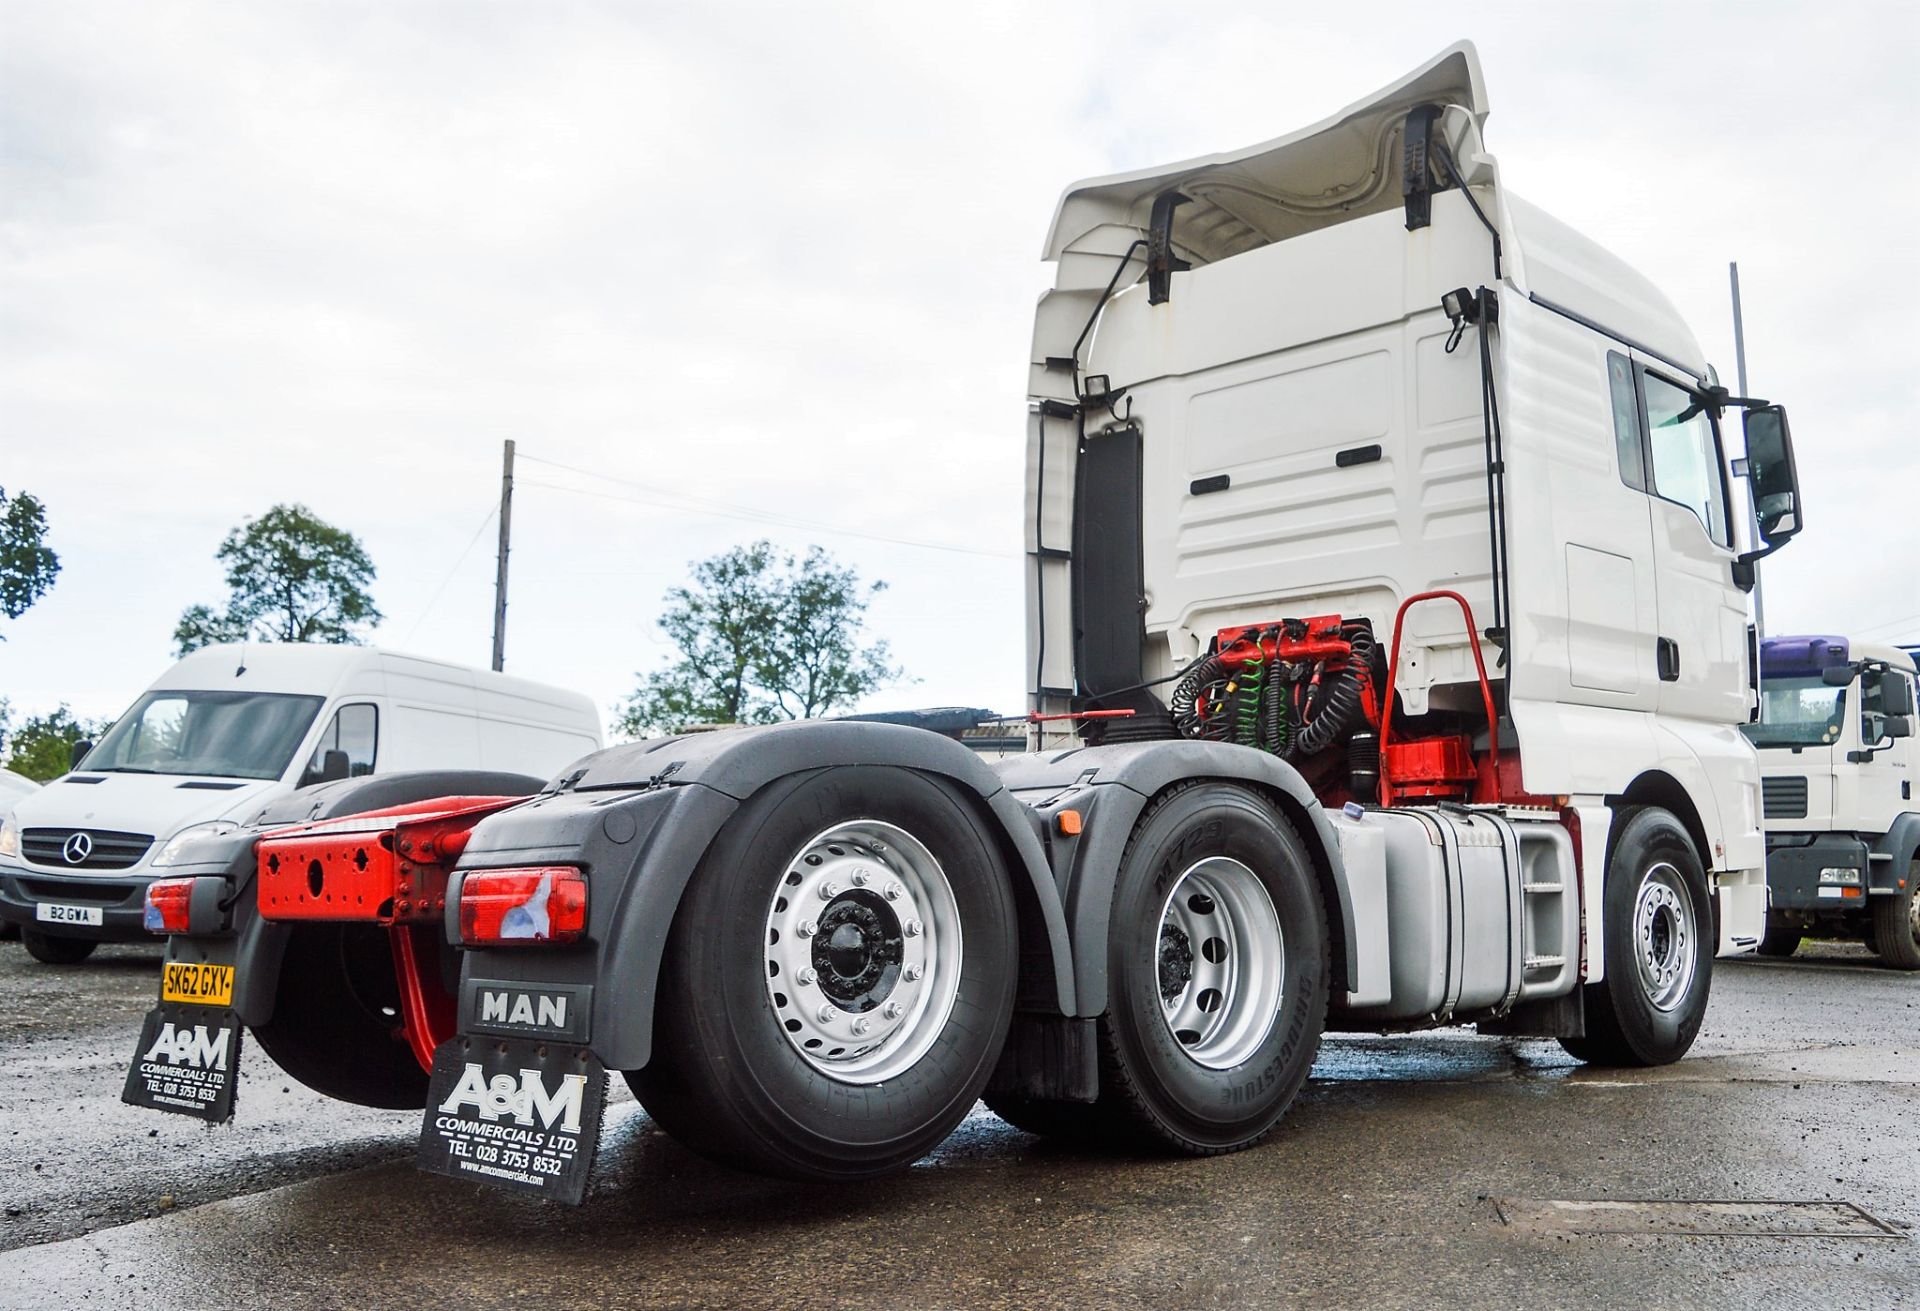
<point>895,892</point>
<point>913,928</point>
<point>860,1028</point>
<point>807,928</point>
<point>804,975</point>
<point>892,1010</point>
<point>827,1015</point>
<point>829,890</point>
<point>859,878</point>
<point>913,973</point>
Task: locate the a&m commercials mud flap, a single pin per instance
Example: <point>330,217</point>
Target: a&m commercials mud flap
<point>520,1114</point>
<point>188,1057</point>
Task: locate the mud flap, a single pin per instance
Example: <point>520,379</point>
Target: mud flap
<point>187,1062</point>
<point>522,1115</point>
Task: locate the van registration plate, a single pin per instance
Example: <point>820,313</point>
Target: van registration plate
<point>48,912</point>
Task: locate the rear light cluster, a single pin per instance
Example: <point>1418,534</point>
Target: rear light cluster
<point>169,907</point>
<point>523,907</point>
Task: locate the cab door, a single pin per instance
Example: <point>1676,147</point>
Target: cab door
<point>1700,646</point>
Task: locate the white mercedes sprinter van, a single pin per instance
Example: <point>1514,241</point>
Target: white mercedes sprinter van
<point>229,729</point>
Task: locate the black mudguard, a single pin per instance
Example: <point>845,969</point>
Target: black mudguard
<point>1111,786</point>
<point>639,818</point>
<point>1902,843</point>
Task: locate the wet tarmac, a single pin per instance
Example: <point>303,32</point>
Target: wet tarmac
<point>1414,1171</point>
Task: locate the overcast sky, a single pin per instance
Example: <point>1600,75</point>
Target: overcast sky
<point>782,259</point>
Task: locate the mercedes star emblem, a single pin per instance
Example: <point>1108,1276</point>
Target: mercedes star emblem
<point>77,849</point>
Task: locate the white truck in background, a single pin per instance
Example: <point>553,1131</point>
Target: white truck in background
<point>1839,767</point>
<point>229,729</point>
<point>1388,644</point>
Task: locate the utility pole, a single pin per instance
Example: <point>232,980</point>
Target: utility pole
<point>500,565</point>
<point>1740,371</point>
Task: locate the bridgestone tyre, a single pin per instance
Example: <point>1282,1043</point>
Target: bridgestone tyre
<point>1896,924</point>
<point>51,949</point>
<point>1780,942</point>
<point>1659,926</point>
<point>336,1019</point>
<point>745,1080</point>
<point>1183,1072</point>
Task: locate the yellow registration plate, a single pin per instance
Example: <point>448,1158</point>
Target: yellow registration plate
<point>206,985</point>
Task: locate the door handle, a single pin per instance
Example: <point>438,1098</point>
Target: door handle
<point>1667,657</point>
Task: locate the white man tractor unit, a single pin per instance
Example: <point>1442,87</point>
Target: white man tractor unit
<point>1838,766</point>
<point>1388,651</point>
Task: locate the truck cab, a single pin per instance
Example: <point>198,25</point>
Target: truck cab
<point>1838,764</point>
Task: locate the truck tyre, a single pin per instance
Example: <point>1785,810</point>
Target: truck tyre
<point>1218,973</point>
<point>336,1019</point>
<point>1780,942</point>
<point>1896,924</point>
<point>838,980</point>
<point>1659,946</point>
<point>50,949</point>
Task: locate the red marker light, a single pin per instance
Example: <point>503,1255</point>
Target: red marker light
<point>523,907</point>
<point>169,905</point>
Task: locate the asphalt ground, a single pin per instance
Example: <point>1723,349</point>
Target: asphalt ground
<point>1413,1171</point>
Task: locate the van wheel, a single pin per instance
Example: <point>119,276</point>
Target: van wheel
<point>838,981</point>
<point>1896,924</point>
<point>1659,952</point>
<point>1780,942</point>
<point>51,950</point>
<point>1218,967</point>
<point>336,1019</point>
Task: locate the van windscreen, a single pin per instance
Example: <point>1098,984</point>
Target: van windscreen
<point>213,734</point>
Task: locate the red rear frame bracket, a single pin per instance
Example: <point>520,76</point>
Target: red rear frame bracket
<point>382,867</point>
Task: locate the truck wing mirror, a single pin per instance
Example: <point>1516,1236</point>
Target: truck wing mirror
<point>1837,675</point>
<point>80,750</point>
<point>1772,475</point>
<point>1896,695</point>
<point>1897,726</point>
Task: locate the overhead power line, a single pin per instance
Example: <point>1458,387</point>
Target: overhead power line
<point>461,559</point>
<point>673,499</point>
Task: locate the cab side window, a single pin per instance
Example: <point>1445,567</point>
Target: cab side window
<point>1873,719</point>
<point>355,730</point>
<point>1667,444</point>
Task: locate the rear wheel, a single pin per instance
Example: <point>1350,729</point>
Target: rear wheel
<point>1659,952</point>
<point>838,981</point>
<point>1780,942</point>
<point>1219,970</point>
<point>1896,924</point>
<point>336,1018</point>
<point>50,949</point>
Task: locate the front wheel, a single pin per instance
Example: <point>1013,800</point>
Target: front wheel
<point>838,981</point>
<point>1896,924</point>
<point>49,949</point>
<point>1659,950</point>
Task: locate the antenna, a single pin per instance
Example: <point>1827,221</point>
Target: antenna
<point>241,668</point>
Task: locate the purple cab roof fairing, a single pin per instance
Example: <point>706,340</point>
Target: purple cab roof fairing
<point>1787,657</point>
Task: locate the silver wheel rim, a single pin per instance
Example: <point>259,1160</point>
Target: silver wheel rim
<point>863,951</point>
<point>1221,960</point>
<point>1664,936</point>
<point>1913,901</point>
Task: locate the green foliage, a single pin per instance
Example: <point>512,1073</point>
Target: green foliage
<point>27,567</point>
<point>762,636</point>
<point>291,577</point>
<point>42,747</point>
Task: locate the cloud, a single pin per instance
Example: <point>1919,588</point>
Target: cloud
<point>785,257</point>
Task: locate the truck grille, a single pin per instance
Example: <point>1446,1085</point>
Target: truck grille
<point>110,850</point>
<point>1784,797</point>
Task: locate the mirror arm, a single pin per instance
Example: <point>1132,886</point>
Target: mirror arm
<point>1719,398</point>
<point>1746,559</point>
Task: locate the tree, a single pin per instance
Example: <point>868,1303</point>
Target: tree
<point>762,636</point>
<point>27,567</point>
<point>42,747</point>
<point>291,577</point>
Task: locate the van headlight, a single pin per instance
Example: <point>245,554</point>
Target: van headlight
<point>9,838</point>
<point>178,843</point>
